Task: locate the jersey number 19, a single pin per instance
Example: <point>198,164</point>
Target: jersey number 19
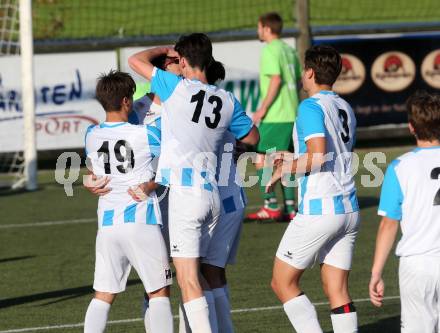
<point>126,157</point>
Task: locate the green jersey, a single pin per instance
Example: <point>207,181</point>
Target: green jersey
<point>280,59</point>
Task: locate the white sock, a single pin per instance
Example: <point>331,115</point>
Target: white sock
<point>212,310</point>
<point>197,313</point>
<point>223,309</point>
<point>302,315</point>
<point>146,315</point>
<point>161,317</point>
<point>345,322</point>
<point>226,288</point>
<point>183,320</point>
<point>96,316</point>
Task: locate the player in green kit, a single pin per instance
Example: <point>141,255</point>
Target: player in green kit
<point>279,72</point>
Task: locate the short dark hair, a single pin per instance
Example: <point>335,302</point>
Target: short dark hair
<point>272,20</point>
<point>424,115</point>
<point>196,48</point>
<point>326,63</point>
<point>112,88</point>
<point>215,72</point>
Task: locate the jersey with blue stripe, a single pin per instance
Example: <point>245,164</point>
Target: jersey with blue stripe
<point>411,194</point>
<point>145,112</point>
<point>229,182</point>
<point>330,190</point>
<point>124,153</point>
<point>195,117</point>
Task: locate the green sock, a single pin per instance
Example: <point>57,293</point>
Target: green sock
<point>270,199</point>
<point>289,202</point>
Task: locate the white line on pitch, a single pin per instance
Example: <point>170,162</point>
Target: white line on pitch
<point>132,320</point>
<point>46,223</point>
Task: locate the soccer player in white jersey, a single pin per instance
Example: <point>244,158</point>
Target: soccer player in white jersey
<point>411,197</point>
<point>194,119</point>
<point>328,216</point>
<point>128,231</point>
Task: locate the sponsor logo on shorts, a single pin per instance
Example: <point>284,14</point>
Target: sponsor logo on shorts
<point>352,75</point>
<point>288,254</point>
<point>175,249</point>
<point>431,69</point>
<point>393,71</point>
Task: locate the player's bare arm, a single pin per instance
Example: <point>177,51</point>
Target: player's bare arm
<point>141,62</point>
<point>386,235</point>
<point>96,185</point>
<point>142,191</point>
<point>272,93</point>
<point>312,160</point>
<point>252,137</point>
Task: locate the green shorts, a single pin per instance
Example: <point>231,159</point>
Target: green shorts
<point>276,136</point>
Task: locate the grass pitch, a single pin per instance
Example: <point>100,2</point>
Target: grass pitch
<point>47,261</point>
<point>59,19</point>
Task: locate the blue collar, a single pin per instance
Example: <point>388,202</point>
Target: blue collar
<point>327,92</point>
<point>112,124</point>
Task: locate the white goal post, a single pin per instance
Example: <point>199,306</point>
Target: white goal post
<point>28,100</point>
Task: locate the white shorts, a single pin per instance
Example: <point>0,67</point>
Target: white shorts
<point>419,282</point>
<point>328,238</point>
<point>223,247</point>
<point>192,216</point>
<point>120,247</point>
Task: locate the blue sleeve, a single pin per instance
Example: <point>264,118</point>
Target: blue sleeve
<point>311,119</point>
<point>391,197</point>
<point>241,124</point>
<point>154,135</point>
<point>163,83</point>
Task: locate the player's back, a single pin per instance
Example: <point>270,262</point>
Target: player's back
<point>229,182</point>
<point>411,194</point>
<point>124,153</point>
<point>332,189</point>
<point>194,119</point>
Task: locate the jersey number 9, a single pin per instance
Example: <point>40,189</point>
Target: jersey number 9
<point>127,156</point>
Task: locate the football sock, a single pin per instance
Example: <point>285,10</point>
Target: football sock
<point>197,313</point>
<point>183,320</point>
<point>96,316</point>
<point>289,195</point>
<point>344,319</point>
<point>270,199</point>
<point>212,310</point>
<point>161,317</point>
<point>302,315</point>
<point>146,314</point>
<point>223,309</point>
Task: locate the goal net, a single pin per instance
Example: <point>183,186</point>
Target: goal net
<point>14,171</point>
<point>11,162</point>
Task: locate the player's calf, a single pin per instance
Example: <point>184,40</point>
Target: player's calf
<point>97,312</point>
<point>343,311</point>
<point>298,308</point>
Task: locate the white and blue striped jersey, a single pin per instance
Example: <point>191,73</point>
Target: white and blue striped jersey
<point>145,112</point>
<point>125,153</point>
<point>411,194</point>
<point>229,182</point>
<point>195,117</point>
<point>231,193</point>
<point>332,189</point>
